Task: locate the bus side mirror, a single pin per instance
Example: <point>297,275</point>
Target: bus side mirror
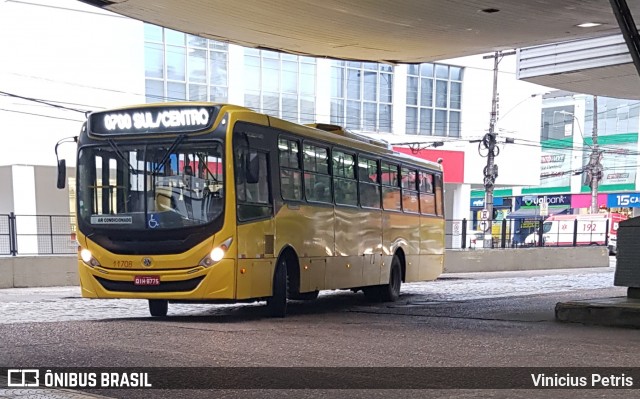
<point>62,173</point>
<point>253,167</point>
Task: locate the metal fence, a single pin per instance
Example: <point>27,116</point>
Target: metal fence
<point>55,234</point>
<point>526,233</point>
<point>37,234</point>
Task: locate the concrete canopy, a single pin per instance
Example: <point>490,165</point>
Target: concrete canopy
<point>401,31</point>
<point>394,31</point>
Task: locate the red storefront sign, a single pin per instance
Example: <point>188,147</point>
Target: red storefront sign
<point>452,162</point>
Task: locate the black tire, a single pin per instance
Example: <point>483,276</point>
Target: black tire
<point>304,296</point>
<point>391,292</point>
<point>386,292</point>
<point>158,307</point>
<point>277,303</point>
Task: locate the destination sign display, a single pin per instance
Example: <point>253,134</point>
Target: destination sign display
<point>152,120</point>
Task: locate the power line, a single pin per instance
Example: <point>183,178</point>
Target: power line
<point>41,115</point>
<point>45,102</point>
<point>606,148</point>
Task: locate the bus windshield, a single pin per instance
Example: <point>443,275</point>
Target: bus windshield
<point>146,186</point>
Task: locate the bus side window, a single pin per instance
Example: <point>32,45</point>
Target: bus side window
<point>344,178</point>
<point>368,183</point>
<point>427,197</point>
<point>253,197</point>
<point>391,199</point>
<point>439,195</point>
<point>317,180</point>
<point>410,202</point>
<point>290,170</point>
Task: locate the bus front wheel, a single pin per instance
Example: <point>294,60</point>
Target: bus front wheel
<point>277,303</point>
<point>158,307</point>
<point>391,292</point>
<point>387,292</point>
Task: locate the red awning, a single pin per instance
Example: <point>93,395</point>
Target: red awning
<point>452,161</point>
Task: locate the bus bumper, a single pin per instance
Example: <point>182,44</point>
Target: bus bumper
<point>196,283</point>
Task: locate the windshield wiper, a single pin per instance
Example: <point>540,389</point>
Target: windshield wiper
<point>121,156</point>
<point>203,161</point>
<point>167,154</point>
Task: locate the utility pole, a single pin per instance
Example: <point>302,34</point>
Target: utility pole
<point>488,142</point>
<point>595,167</point>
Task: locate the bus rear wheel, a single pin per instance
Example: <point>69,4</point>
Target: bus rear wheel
<point>277,303</point>
<point>158,307</point>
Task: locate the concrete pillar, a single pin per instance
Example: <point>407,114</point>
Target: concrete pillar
<point>236,74</point>
<point>24,202</point>
<point>399,125</point>
<point>457,206</point>
<point>323,91</point>
<point>461,201</point>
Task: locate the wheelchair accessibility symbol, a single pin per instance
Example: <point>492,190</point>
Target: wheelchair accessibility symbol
<point>152,222</point>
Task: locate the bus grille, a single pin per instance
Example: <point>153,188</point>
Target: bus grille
<point>167,286</point>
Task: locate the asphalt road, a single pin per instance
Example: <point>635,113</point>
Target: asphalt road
<point>460,328</point>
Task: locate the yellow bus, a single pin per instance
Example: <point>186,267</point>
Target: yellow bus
<point>218,203</point>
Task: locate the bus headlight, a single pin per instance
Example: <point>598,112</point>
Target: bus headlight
<point>216,254</point>
<point>87,257</point>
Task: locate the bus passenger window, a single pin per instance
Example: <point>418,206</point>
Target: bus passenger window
<point>290,171</point>
<point>344,178</point>
<point>253,198</point>
<point>410,202</point>
<point>390,188</point>
<point>318,187</point>
<point>291,184</point>
<point>427,197</point>
<point>316,178</point>
<point>368,185</point>
<point>439,195</point>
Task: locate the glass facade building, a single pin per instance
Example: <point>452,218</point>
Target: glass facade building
<point>182,67</point>
<point>362,96</point>
<point>281,85</point>
<point>434,93</point>
<point>356,95</point>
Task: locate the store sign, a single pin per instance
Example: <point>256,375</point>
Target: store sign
<point>554,166</point>
<point>479,202</point>
<point>151,120</point>
<point>619,178</point>
<point>536,200</point>
<point>618,164</point>
<point>624,200</point>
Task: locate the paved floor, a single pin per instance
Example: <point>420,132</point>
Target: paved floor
<point>20,308</point>
<point>55,304</point>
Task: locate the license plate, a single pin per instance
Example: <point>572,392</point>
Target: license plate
<point>146,280</point>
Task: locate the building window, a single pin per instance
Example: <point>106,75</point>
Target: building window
<point>361,96</point>
<point>181,67</point>
<point>281,85</point>
<point>434,100</point>
<point>557,123</point>
<point>615,116</point>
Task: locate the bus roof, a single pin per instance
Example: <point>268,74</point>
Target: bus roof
<point>333,134</point>
<point>337,135</point>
